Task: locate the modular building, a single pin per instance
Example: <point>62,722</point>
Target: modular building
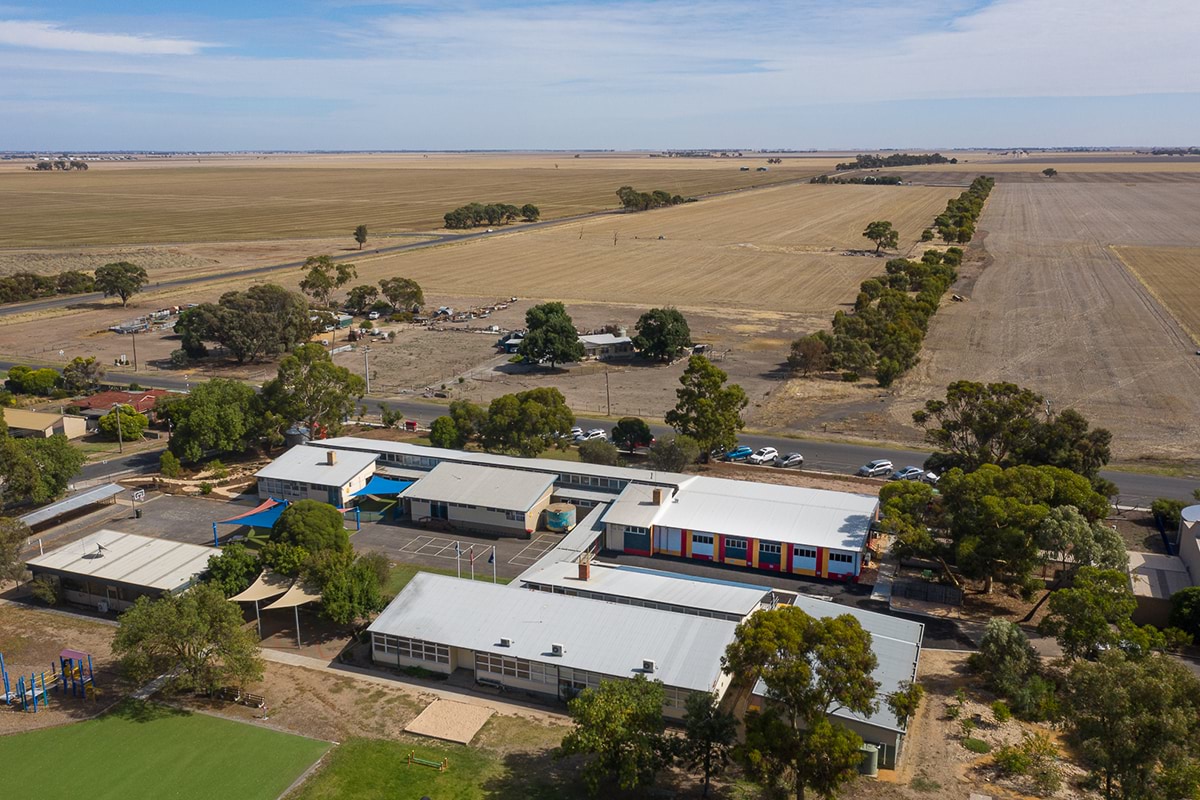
<point>548,644</point>
<point>23,423</point>
<point>315,473</point>
<point>109,570</point>
<point>478,499</point>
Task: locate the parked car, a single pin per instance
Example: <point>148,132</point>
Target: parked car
<point>594,433</point>
<point>790,460</point>
<point>907,474</point>
<point>764,455</point>
<point>739,453</point>
<point>931,478</point>
<point>576,431</point>
<point>373,315</point>
<point>873,469</point>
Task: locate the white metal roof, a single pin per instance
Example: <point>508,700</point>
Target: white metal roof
<point>485,487</point>
<point>511,462</point>
<point>73,503</point>
<point>129,559</point>
<point>309,464</point>
<point>652,586</point>
<point>602,339</point>
<point>597,636</point>
<point>787,514</point>
<point>1156,575</point>
<point>896,643</point>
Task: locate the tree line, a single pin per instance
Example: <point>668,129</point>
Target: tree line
<point>59,164</point>
<point>473,215</point>
<point>867,180</point>
<point>895,160</point>
<point>633,200</point>
<point>957,222</point>
<point>22,286</point>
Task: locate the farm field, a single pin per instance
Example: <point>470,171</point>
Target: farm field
<point>1172,275</point>
<point>246,200</point>
<point>147,750</point>
<point>1054,309</point>
<point>775,249</point>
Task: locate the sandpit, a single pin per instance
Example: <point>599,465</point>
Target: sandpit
<point>450,720</point>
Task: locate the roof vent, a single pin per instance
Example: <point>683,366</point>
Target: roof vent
<point>331,457</point>
<point>556,649</point>
<point>505,641</point>
<point>648,665</point>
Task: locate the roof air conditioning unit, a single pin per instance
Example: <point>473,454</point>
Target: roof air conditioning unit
<point>556,649</point>
<point>505,641</point>
<point>648,665</point>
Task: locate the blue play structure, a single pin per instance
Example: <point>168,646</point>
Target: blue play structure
<point>265,514</point>
<point>73,676</point>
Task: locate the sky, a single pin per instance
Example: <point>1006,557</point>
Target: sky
<point>604,74</point>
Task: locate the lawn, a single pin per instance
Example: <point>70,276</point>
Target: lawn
<point>148,750</point>
<point>403,573</point>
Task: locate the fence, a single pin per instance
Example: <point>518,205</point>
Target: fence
<point>928,592</point>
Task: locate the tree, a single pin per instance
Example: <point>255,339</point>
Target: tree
<point>197,636</point>
<point>26,380</point>
<point>313,525</point>
<point>444,433</point>
<point>82,375</point>
<point>403,293</point>
<point>904,702</point>
<point>674,453</point>
<point>707,410</point>
<point>233,570</point>
<point>72,281</point>
<point>631,433</point>
<point>1092,615</point>
<point>36,471</point>
<point>123,423</point>
<point>662,334</point>
<point>620,725</point>
<point>322,276</point>
<point>598,451</point>
<point>1006,659</point>
<point>1066,441</point>
<point>709,736</point>
<point>1169,510</point>
<point>310,388</point>
<point>525,423</point>
<point>264,320</point>
<point>350,587</point>
<point>882,234</point>
<point>1065,531</point>
<point>1185,611</point>
<point>360,236</point>
<point>13,535</point>
<point>530,212</point>
<point>1049,172</point>
<point>121,279</point>
<point>809,354</point>
<point>360,299</point>
<point>979,424</point>
<point>905,513</point>
<point>217,416</point>
<point>811,666</point>
<point>551,335</point>
<point>1136,724</point>
<point>169,466</point>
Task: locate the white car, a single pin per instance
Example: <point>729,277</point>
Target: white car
<point>576,431</point>
<point>373,315</point>
<point>594,433</point>
<point>763,455</point>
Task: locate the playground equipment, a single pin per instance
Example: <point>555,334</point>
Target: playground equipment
<point>72,675</point>
<point>440,766</point>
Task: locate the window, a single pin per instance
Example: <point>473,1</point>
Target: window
<point>735,544</point>
<point>509,667</point>
<point>641,531</point>
<point>701,538</point>
<point>841,558</point>
<point>514,515</point>
<point>770,548</point>
<point>674,697</point>
<point>411,648</point>
<point>805,552</point>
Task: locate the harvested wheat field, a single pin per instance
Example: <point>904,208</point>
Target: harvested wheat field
<point>1056,310</point>
<point>773,249</point>
<point>225,200</point>
<point>1172,275</point>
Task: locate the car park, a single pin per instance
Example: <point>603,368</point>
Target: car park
<point>739,453</point>
<point>793,460</point>
<point>907,474</point>
<point>873,469</point>
<point>764,455</point>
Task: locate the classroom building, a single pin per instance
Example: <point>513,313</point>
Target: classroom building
<point>477,499</point>
<point>548,644</point>
<point>109,570</point>
<point>314,473</point>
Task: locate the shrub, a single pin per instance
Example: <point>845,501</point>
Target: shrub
<point>219,470</point>
<point>179,358</point>
<point>598,451</point>
<point>1035,700</point>
<point>1001,713</point>
<point>1168,511</point>
<point>206,488</point>
<point>850,376</point>
<point>169,466</point>
<point>392,418</point>
<point>977,746</point>
<point>46,589</point>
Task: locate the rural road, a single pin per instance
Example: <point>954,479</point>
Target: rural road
<point>1137,489</point>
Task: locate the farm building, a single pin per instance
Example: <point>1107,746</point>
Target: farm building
<point>652,589</point>
<point>897,646</point>
<point>42,425</point>
<point>1154,578</point>
<point>480,499</point>
<point>775,528</point>
<point>109,570</point>
<point>779,528</point>
<point>606,345</point>
<point>548,644</point>
<point>315,473</point>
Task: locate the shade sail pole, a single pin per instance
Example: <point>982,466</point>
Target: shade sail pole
<point>296,608</point>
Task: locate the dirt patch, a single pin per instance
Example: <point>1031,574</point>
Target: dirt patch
<point>792,477</point>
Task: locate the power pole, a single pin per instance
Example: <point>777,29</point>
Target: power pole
<point>367,367</point>
<point>120,439</point>
<point>135,351</point>
<point>607,391</point>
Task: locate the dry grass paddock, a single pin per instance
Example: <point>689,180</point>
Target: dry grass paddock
<point>1172,275</point>
<point>248,199</point>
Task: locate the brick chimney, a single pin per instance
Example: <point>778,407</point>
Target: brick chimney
<point>659,495</point>
<point>585,570</point>
<point>331,457</point>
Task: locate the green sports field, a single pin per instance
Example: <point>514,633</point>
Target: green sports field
<point>143,750</point>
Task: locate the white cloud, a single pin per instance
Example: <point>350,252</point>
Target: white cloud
<point>51,36</point>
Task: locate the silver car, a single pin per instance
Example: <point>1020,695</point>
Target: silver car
<point>873,469</point>
<point>790,460</point>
